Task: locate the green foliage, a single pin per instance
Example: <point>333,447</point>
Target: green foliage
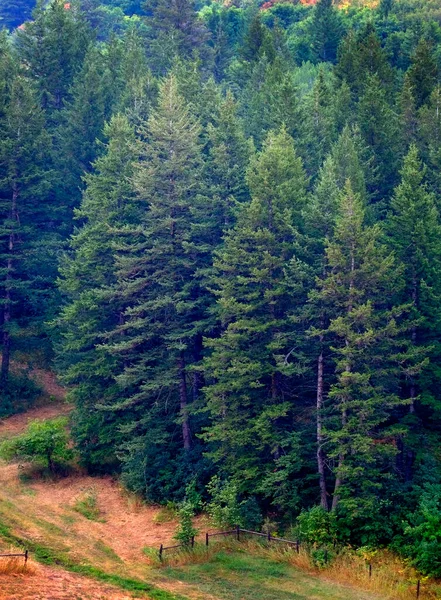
<point>186,531</point>
<point>317,526</point>
<point>18,395</point>
<point>247,250</point>
<point>224,505</point>
<point>45,442</point>
<point>424,532</point>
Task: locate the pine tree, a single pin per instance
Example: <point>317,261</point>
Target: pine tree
<point>414,231</point>
<point>160,334</point>
<point>361,57</point>
<point>327,31</point>
<point>379,128</point>
<point>430,138</point>
<point>176,31</point>
<point>87,272</point>
<point>423,73</point>
<point>228,156</point>
<point>342,165</point>
<point>53,47</point>
<point>317,124</point>
<point>81,128</point>
<point>360,280</point>
<point>408,113</point>
<point>23,186</point>
<point>249,397</point>
<point>269,100</point>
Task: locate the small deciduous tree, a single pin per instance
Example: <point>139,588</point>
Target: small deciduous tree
<point>46,442</point>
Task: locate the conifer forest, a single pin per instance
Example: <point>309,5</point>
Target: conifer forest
<point>220,225</point>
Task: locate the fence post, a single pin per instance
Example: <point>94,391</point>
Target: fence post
<point>237,532</point>
<point>26,556</point>
<point>269,534</point>
<point>418,588</point>
<point>160,551</point>
<point>297,546</point>
<point>370,570</point>
<point>192,541</point>
<point>206,539</point>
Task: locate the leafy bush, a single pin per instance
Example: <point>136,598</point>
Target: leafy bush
<point>185,531</point>
<point>227,509</point>
<point>224,506</point>
<point>45,442</point>
<point>317,526</point>
<point>423,535</point>
<point>192,496</point>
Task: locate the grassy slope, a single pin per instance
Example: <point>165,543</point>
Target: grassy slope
<point>240,576</point>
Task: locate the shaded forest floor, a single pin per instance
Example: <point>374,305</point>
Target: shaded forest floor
<point>93,521</point>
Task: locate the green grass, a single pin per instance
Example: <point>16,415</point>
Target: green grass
<point>240,576</point>
<point>88,507</point>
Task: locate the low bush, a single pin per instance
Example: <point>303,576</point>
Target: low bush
<point>44,442</point>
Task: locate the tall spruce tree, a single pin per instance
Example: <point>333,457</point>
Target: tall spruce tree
<point>53,47</point>
<point>87,272</point>
<point>361,278</point>
<point>24,184</point>
<point>343,164</point>
<point>161,329</point>
<point>326,31</point>
<point>414,233</point>
<point>423,73</point>
<point>249,398</point>
<point>175,31</point>
<point>80,131</point>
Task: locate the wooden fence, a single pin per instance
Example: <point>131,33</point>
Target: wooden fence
<point>237,531</point>
<point>25,555</point>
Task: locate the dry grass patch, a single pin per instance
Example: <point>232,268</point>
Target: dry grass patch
<point>16,565</point>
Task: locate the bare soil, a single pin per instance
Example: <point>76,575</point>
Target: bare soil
<point>48,583</point>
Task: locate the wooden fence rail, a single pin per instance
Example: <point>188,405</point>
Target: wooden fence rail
<point>24,554</point>
<point>236,532</point>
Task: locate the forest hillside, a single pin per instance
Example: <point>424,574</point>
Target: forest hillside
<point>220,226</point>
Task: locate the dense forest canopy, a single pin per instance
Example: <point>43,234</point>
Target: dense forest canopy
<point>220,222</point>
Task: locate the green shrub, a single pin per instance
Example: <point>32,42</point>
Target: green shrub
<point>423,535</point>
<point>185,531</point>
<point>224,506</point>
<point>316,526</point>
<point>45,442</point>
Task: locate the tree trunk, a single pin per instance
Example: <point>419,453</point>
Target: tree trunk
<point>320,454</point>
<point>183,397</point>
